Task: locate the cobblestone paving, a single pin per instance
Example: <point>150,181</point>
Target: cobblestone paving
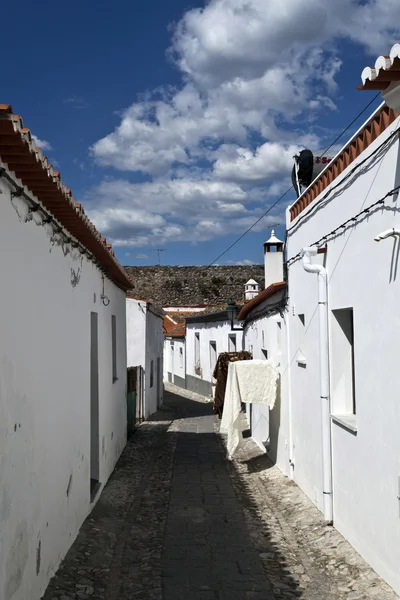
<point>178,521</point>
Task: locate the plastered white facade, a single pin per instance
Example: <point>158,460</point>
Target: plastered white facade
<point>145,348</point>
<point>362,275</point>
<point>45,399</point>
<point>218,332</point>
<point>175,361</point>
<point>266,338</point>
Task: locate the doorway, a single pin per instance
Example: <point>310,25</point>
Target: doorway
<point>94,407</point>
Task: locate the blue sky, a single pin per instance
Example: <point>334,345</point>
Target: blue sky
<point>175,123</point>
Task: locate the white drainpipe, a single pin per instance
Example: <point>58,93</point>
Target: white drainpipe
<point>291,458</point>
<point>306,254</point>
<point>388,233</point>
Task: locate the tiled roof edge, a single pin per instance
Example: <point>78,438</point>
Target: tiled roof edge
<point>274,288</point>
<point>19,151</point>
<point>376,124</point>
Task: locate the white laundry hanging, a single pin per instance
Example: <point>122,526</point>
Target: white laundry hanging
<point>250,382</point>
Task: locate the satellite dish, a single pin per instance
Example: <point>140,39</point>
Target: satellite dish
<point>306,168</point>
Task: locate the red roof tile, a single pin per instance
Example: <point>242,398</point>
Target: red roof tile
<point>358,143</point>
<point>385,71</point>
<point>25,159</point>
<point>264,295</point>
<point>177,331</point>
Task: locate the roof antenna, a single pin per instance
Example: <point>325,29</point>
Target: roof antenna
<point>159,250</point>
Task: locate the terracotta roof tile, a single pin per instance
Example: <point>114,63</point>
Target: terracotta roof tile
<point>264,295</point>
<point>385,71</point>
<point>25,159</point>
<point>176,332</point>
<point>376,125</point>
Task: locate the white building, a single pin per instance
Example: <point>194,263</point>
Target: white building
<point>251,289</point>
<point>174,352</point>
<point>206,337</point>
<point>145,348</point>
<point>344,319</point>
<point>62,365</point>
<point>265,336</point>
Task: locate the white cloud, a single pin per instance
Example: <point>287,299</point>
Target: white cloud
<point>266,162</point>
<point>43,144</point>
<point>136,216</point>
<point>255,76</point>
<point>76,102</point>
<point>245,262</point>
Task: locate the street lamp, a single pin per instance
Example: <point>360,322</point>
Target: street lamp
<point>232,311</point>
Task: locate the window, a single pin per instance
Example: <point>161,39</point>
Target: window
<point>152,373</point>
<point>301,328</point>
<point>263,339</point>
<point>232,343</point>
<point>279,338</point>
<point>181,357</point>
<point>197,368</point>
<point>114,347</point>
<point>213,356</point>
<point>343,371</point>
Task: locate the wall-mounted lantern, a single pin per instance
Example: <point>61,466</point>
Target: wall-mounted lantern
<point>232,310</point>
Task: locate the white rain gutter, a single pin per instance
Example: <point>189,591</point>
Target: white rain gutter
<point>306,254</point>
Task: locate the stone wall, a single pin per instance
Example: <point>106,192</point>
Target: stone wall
<point>189,286</point>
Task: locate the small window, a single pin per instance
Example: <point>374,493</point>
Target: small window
<point>114,347</point>
<point>301,328</point>
<point>213,356</point>
<point>197,367</point>
<point>181,357</point>
<point>232,343</point>
<point>152,373</point>
<point>279,338</point>
<point>343,369</point>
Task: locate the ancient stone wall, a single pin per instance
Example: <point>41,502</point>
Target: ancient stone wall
<point>188,286</point>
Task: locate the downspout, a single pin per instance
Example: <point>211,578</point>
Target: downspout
<point>291,461</point>
<point>306,254</point>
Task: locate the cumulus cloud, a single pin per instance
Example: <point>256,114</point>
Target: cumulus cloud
<point>43,144</point>
<point>266,162</point>
<point>255,76</point>
<point>136,216</point>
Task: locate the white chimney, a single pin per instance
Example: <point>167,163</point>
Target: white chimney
<point>273,260</point>
<point>251,289</point>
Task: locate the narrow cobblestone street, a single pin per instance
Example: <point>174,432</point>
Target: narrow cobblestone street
<point>178,521</point>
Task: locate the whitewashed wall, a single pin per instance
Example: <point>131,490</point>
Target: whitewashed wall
<point>175,361</point>
<point>217,331</point>
<point>136,311</point>
<point>145,344</point>
<point>363,274</point>
<point>266,338</point>
<point>154,353</point>
<point>45,400</point>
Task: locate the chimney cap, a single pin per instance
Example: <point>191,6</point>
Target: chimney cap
<point>273,239</point>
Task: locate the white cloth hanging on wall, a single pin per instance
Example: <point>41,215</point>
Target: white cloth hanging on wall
<point>250,382</point>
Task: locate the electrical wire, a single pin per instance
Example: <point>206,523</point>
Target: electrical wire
<point>34,206</point>
<point>352,221</point>
<point>291,187</point>
<point>315,205</point>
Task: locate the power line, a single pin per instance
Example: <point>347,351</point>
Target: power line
<point>350,222</point>
<point>291,187</point>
